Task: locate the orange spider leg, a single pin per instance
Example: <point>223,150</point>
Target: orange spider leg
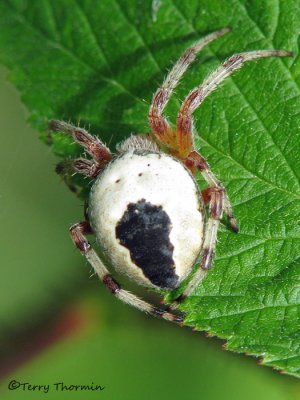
<point>159,124</point>
<point>215,194</point>
<point>197,95</point>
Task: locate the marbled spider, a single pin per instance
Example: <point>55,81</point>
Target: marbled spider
<point>145,207</point>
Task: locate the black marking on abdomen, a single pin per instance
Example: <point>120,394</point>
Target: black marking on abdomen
<point>144,230</point>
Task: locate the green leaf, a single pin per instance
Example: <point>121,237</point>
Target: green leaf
<point>40,269</point>
<point>100,62</point>
<point>114,355</point>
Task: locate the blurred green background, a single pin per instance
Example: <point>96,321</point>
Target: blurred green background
<point>58,324</point>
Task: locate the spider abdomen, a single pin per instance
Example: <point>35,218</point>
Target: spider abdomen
<point>147,214</point>
<point>145,230</point>
<point>145,207</point>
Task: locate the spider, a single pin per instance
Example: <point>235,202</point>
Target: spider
<point>145,207</point>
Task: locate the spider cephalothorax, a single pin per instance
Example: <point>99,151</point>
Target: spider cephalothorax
<point>145,207</point>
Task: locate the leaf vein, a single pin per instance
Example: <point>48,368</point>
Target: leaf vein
<point>251,106</point>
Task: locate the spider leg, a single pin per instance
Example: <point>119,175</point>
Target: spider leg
<point>78,232</point>
<point>195,161</point>
<point>84,166</point>
<point>216,196</point>
<point>218,202</point>
<point>158,122</point>
<point>92,144</point>
<point>185,150</point>
<point>197,95</point>
<point>87,167</point>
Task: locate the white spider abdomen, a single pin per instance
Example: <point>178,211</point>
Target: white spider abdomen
<point>147,214</point>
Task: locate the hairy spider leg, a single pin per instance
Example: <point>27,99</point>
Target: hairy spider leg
<point>78,232</point>
<point>184,121</point>
<point>197,95</point>
<point>215,195</point>
<point>159,124</point>
<point>100,154</point>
